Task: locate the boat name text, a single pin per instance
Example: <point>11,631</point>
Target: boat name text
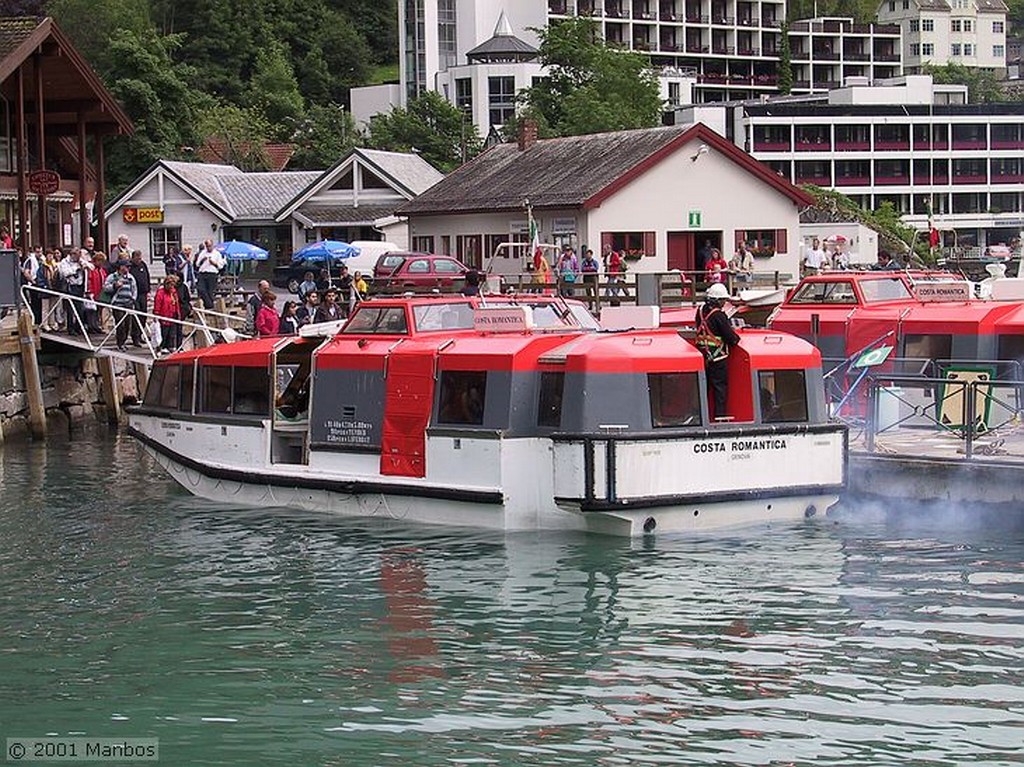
<point>740,445</point>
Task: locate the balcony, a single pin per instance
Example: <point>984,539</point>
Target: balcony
<point>969,144</point>
<point>853,181</point>
<point>670,46</point>
<point>771,146</point>
<point>887,57</point>
<point>670,16</point>
<point>892,146</point>
<point>925,145</point>
<point>722,20</point>
<point>824,54</point>
<point>771,23</point>
<point>696,48</point>
<point>616,13</point>
<point>1008,144</point>
<point>816,180</point>
<point>852,146</point>
<point>969,178</point>
<point>556,8</point>
<point>856,56</point>
<point>715,77</point>
<point>813,146</point>
<point>902,180</point>
<point>723,50</point>
<point>1008,178</point>
<point>742,51</point>
<point>746,21</point>
<point>767,81</point>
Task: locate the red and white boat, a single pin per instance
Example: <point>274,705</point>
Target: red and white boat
<point>510,412</point>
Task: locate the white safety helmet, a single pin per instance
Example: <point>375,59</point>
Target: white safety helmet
<point>718,292</point>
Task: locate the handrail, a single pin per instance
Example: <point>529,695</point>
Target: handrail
<point>103,341</point>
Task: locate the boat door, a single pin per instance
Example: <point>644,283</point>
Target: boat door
<point>291,379</point>
<point>408,401</point>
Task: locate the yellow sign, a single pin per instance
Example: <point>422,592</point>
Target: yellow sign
<point>149,215</point>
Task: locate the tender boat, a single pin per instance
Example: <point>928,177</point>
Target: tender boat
<point>510,412</point>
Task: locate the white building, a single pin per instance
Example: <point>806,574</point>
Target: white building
<point>914,144</point>
<point>657,195</point>
<point>967,32</point>
<point>826,52</point>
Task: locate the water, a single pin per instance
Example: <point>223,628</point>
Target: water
<point>129,609</point>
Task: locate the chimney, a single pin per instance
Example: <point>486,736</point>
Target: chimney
<point>527,134</point>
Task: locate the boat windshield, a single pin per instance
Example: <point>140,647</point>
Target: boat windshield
<point>554,315</point>
<point>443,317</point>
<point>825,292</point>
<point>384,320</point>
<point>892,289</point>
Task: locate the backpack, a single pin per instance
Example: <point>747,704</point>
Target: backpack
<point>711,346</point>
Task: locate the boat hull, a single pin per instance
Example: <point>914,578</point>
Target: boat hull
<point>241,488</point>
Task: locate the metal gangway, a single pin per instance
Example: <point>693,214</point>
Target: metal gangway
<point>60,311</point>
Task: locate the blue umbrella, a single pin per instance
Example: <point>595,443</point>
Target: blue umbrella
<point>237,250</point>
<point>325,250</point>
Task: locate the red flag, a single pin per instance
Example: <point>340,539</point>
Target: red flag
<point>933,237</point>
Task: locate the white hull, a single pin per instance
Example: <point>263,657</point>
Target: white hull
<point>276,492</point>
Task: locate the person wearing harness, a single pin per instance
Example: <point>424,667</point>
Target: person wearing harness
<point>715,336</point>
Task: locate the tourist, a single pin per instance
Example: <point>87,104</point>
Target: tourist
<point>542,275</point>
<point>345,297</point>
<point>288,322</point>
<point>590,269</point>
<point>267,321</point>
<point>471,286</point>
<point>119,251</point>
<point>72,278</point>
<point>95,279</point>
<point>814,258</point>
<point>742,263</point>
<point>6,241</point>
<point>167,306</point>
<point>307,311</point>
<point>717,268</point>
<point>615,268</point>
<point>329,311</point>
<point>121,286</point>
<point>209,265</point>
<point>567,269</point>
<point>140,271</point>
<point>703,257</point>
<point>362,290</point>
<point>886,262</point>
<point>307,284</point>
<point>253,306</point>
<point>31,267</point>
<point>715,336</point>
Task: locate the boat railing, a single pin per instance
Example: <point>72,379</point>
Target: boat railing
<point>60,313</point>
<point>968,415</point>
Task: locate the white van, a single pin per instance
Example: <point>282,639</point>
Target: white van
<point>369,252</point>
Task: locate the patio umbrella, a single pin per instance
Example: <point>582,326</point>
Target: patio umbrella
<point>236,250</point>
<point>325,250</point>
<point>836,238</point>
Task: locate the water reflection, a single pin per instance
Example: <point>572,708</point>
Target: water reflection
<point>130,609</point>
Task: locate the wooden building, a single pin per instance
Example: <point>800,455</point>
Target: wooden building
<point>54,114</point>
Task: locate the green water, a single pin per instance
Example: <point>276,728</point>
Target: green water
<point>129,609</point>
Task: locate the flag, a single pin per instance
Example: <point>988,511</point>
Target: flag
<point>933,233</point>
<point>535,244</point>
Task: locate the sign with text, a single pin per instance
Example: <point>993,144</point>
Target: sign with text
<point>695,219</point>
<point>43,182</point>
<point>930,292</point>
<point>507,319</point>
<point>142,215</point>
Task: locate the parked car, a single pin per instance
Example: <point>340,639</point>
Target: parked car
<point>292,274</point>
<point>417,271</point>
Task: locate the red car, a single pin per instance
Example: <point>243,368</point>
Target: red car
<point>417,271</point>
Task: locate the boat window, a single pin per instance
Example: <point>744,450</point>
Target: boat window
<point>928,347</point>
<point>216,386</point>
<point>783,396</point>
<point>169,391</point>
<point>584,317</point>
<point>187,377</point>
<point>383,320</point>
<point>884,290</point>
<point>675,399</point>
<point>549,408</point>
<point>462,397</point>
<point>251,392</point>
<point>443,317</point>
<point>825,292</point>
<point>155,385</point>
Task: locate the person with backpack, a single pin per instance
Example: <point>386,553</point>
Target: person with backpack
<point>567,269</point>
<point>715,337</point>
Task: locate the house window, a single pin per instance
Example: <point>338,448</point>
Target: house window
<point>423,244</point>
<point>915,49</point>
<point>892,7</point>
<point>674,91</point>
<point>446,47</point>
<point>906,5</point>
<point>955,25</point>
<point>928,49</point>
<point>783,395</point>
<point>968,25</point>
<point>501,98</point>
<point>915,25</point>
<point>968,49</point>
<point>998,51</point>
<point>997,27</point>
<point>632,245</point>
<point>463,393</point>
<point>163,240</point>
<point>468,249</point>
<point>464,94</point>
<point>446,245</point>
<point>954,49</point>
<point>549,405</point>
<point>927,25</point>
<point>763,243</point>
<point>675,399</point>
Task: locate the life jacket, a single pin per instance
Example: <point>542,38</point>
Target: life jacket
<point>712,346</point>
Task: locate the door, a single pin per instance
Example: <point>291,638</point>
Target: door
<point>681,251</point>
<point>408,399</point>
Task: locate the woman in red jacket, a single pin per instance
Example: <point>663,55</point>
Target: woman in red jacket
<point>267,321</point>
<point>166,304</point>
<point>94,279</point>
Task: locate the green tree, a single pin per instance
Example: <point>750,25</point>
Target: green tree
<point>430,126</point>
<point>785,62</point>
<point>239,133</point>
<point>325,135</point>
<point>274,91</point>
<point>982,85</point>
<point>156,93</point>
<point>591,87</point>
<point>91,25</point>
